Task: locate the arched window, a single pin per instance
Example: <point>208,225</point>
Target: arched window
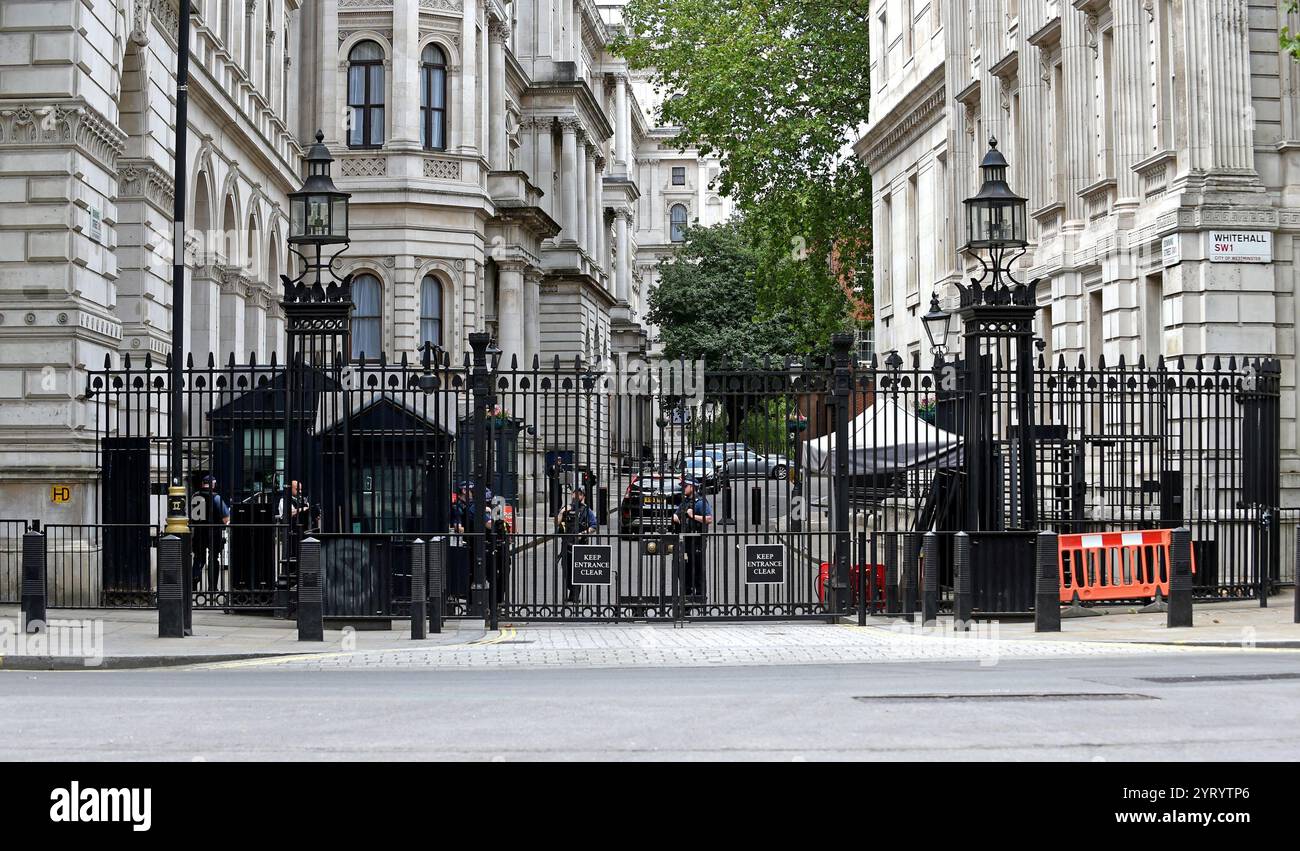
<point>366,327</point>
<point>677,220</point>
<point>433,98</point>
<point>366,95</point>
<point>431,311</point>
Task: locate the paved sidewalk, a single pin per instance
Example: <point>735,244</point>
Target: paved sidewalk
<point>128,638</point>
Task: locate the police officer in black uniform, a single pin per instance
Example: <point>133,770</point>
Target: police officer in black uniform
<point>693,515</point>
<point>575,522</point>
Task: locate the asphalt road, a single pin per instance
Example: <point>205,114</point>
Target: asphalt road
<point>1140,707</point>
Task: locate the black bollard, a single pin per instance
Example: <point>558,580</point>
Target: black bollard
<point>892,606</point>
<point>171,586</point>
<point>756,506</point>
<point>311,614</point>
<point>1047,584</point>
<point>1180,578</point>
<point>907,576</point>
<point>34,585</point>
<point>728,513</point>
<point>961,601</point>
<point>419,592</point>
<point>436,555</point>
<point>930,579</point>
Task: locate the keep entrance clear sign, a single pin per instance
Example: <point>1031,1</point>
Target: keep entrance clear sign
<point>593,564</point>
<point>764,564</point>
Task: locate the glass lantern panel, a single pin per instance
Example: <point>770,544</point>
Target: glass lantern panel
<point>318,215</point>
<point>297,216</point>
<point>339,219</point>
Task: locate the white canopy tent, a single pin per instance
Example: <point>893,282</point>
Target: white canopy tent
<point>886,438</point>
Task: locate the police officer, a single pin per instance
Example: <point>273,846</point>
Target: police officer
<point>462,507</point>
<point>575,522</point>
<point>693,515</point>
<point>497,540</point>
<point>208,538</point>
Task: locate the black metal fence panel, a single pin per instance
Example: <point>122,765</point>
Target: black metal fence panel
<point>812,477</point>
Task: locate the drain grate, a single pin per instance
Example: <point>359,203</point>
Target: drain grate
<point>1006,697</point>
<point>1224,678</point>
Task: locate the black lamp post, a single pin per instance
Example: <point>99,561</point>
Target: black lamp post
<point>318,315</point>
<point>997,314</point>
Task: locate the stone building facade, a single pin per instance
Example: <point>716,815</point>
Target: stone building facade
<point>494,152</point>
<point>1147,136</point>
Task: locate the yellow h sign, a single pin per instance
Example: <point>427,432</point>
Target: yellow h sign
<point>60,494</point>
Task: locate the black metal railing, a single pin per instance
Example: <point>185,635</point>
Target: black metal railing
<point>834,463</point>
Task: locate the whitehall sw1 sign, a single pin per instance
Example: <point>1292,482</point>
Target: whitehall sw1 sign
<point>1239,246</point>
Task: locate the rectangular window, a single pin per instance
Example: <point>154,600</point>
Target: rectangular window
<point>913,235</point>
<point>884,282</point>
<point>1096,332</point>
<point>679,175</point>
<point>1154,326</point>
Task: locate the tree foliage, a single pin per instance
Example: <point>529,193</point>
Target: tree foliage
<point>778,90</point>
<point>1288,38</point>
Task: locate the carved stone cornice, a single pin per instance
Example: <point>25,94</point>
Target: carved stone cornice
<point>70,124</point>
<point>166,15</point>
<point>443,5</point>
<point>911,117</point>
<point>143,179</point>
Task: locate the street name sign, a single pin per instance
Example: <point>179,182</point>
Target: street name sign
<point>1239,246</point>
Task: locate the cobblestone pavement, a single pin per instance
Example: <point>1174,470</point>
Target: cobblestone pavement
<point>704,645</point>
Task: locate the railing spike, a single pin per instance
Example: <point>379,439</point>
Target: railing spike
<point>189,360</point>
<point>1121,360</point>
<point>514,362</point>
<point>537,361</point>
<point>1142,361</point>
<point>1060,361</point>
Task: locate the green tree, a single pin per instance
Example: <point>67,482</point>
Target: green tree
<point>1289,39</point>
<point>777,89</point>
<point>704,303</point>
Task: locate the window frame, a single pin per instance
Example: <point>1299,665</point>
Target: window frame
<point>367,67</point>
<point>677,169</point>
<point>377,318</point>
<point>432,279</point>
<point>427,110</point>
<point>673,224</point>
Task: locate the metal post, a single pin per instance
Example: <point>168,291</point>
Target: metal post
<point>1047,603</point>
<point>172,569</point>
<point>1295,567</point>
<point>34,584</point>
<point>1263,557</point>
<point>755,505</point>
<point>178,523</point>
<point>479,383</point>
<point>419,591</point>
<point>1180,578</point>
<point>311,614</point>
<point>907,576</point>
<point>892,606</point>
<point>728,513</point>
<point>841,388</point>
<point>961,604</point>
<point>436,555</point>
<point>930,579</point>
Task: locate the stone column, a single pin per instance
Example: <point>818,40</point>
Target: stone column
<point>532,315</point>
<point>467,120</point>
<point>623,267</point>
<point>405,109</point>
<point>498,150</point>
<point>1133,86</point>
<point>1079,38</point>
<point>597,234</point>
<point>622,127</point>
<point>544,176</point>
<point>234,289</point>
<point>583,217</point>
<point>330,113</point>
<point>569,178</point>
<point>510,310</point>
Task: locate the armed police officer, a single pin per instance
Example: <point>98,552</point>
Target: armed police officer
<point>575,523</point>
<point>693,518</point>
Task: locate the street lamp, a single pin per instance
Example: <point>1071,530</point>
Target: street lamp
<point>936,323</point>
<point>318,212</point>
<point>997,313</point>
<point>995,223</point>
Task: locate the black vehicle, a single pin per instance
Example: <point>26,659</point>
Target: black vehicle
<point>648,505</point>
